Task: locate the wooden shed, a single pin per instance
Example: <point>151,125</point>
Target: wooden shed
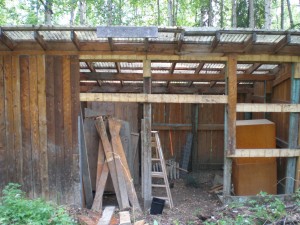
<point>195,80</point>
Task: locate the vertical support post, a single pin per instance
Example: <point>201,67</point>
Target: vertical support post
<point>146,136</point>
<point>230,123</point>
<point>293,129</point>
<point>195,120</point>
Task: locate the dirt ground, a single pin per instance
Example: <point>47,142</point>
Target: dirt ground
<point>191,199</point>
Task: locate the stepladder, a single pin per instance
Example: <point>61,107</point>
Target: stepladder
<point>159,178</point>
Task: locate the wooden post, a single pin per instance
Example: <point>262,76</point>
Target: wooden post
<point>146,136</point>
<point>230,123</point>
<point>195,120</point>
<point>293,129</point>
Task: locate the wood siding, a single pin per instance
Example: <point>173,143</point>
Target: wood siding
<point>39,100</point>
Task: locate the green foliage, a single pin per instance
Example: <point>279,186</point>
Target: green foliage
<point>16,209</point>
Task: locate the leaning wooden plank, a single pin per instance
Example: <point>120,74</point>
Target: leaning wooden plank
<point>136,166</point>
<point>85,167</point>
<point>106,215</point>
<point>114,127</point>
<point>99,123</point>
<point>126,143</point>
<point>101,182</point>
<point>125,218</point>
<point>120,174</point>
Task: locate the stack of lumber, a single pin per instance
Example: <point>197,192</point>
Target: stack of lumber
<point>112,160</point>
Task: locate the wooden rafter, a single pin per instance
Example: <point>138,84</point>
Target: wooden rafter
<point>75,40</point>
<point>6,40</point>
<point>215,41</point>
<point>180,41</point>
<point>146,43</point>
<point>90,66</point>
<point>40,40</point>
<point>199,68</point>
<point>249,43</point>
<point>173,77</point>
<point>282,43</point>
<point>111,43</point>
<point>252,68</point>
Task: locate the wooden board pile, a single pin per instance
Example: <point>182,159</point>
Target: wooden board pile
<point>112,160</point>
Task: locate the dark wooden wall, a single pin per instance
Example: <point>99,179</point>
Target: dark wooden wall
<point>39,106</point>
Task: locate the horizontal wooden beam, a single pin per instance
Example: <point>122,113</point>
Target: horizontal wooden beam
<point>246,153</point>
<point>173,77</point>
<point>168,126</point>
<point>260,107</point>
<point>153,98</point>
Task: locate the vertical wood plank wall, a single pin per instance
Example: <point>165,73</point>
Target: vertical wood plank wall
<point>39,100</point>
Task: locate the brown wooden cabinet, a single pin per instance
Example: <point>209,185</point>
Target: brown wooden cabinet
<point>253,175</point>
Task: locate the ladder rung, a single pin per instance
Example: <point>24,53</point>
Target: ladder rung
<point>157,174</point>
<point>159,185</point>
<point>155,159</point>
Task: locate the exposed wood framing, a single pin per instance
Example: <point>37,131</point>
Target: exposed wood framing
<point>152,98</point>
<point>282,43</point>
<point>293,131</point>
<point>199,68</point>
<point>173,77</point>
<point>182,126</point>
<point>215,41</point>
<point>268,107</point>
<point>252,68</point>
<point>40,40</point>
<point>230,123</point>
<point>245,153</point>
<point>75,40</point>
<point>195,144</point>
<point>249,43</point>
<point>111,43</point>
<point>91,67</point>
<point>146,138</point>
<point>7,41</point>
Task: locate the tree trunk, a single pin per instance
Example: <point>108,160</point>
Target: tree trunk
<point>82,11</point>
<point>110,13</point>
<point>170,13</point>
<point>222,14</point>
<point>267,14</point>
<point>251,14</point>
<point>290,14</point>
<point>282,14</point>
<point>234,19</point>
<point>158,13</point>
<point>48,12</point>
<point>73,12</point>
<point>210,14</point>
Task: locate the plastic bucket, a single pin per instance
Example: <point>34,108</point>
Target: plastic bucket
<point>157,206</point>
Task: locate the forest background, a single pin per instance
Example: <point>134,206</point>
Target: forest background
<point>255,14</point>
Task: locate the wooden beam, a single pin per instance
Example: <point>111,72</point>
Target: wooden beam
<point>6,40</point>
<point>146,43</point>
<point>172,68</point>
<point>195,143</point>
<point>199,68</point>
<point>249,43</point>
<point>215,41</point>
<point>232,101</point>
<point>75,40</point>
<point>201,127</point>
<point>40,40</point>
<point>282,43</point>
<point>111,43</point>
<point>267,107</point>
<point>153,98</point>
<point>229,124</point>
<point>146,137</point>
<point>180,41</point>
<point>293,132</point>
<point>252,68</point>
<point>248,153</point>
<point>91,67</point>
<point>174,77</point>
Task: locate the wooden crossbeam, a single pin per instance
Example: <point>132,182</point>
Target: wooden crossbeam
<point>146,43</point>
<point>199,68</point>
<point>118,67</point>
<point>173,77</point>
<point>252,68</point>
<point>111,43</point>
<point>6,40</point>
<point>261,107</point>
<point>282,43</point>
<point>180,42</point>
<point>249,43</point>
<point>247,153</point>
<point>153,98</point>
<point>215,41</point>
<point>91,67</point>
<point>75,40</point>
<point>40,40</point>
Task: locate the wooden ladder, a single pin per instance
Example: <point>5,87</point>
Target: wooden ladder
<point>158,157</point>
